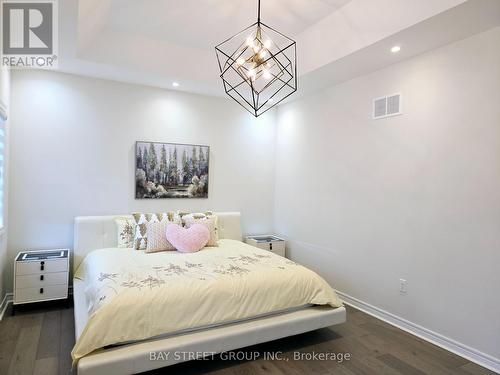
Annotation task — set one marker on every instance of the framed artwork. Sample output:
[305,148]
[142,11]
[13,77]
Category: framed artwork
[171,170]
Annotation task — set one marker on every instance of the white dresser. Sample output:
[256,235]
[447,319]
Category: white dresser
[268,242]
[41,276]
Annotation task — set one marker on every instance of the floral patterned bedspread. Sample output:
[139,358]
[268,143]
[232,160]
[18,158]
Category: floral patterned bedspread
[132,295]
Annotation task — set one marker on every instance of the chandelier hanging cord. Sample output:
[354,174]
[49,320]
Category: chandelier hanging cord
[258,11]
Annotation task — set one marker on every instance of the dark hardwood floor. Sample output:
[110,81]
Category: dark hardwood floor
[39,338]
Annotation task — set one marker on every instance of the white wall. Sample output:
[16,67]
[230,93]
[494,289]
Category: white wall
[416,196]
[363,202]
[4,264]
[73,140]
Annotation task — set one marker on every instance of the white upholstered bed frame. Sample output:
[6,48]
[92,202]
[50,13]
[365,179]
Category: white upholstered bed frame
[95,232]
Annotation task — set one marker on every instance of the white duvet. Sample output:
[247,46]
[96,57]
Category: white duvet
[132,295]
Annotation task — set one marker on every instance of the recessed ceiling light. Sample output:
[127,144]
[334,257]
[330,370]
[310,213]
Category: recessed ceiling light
[395,49]
[175,84]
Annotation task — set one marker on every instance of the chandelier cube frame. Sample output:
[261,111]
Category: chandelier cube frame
[258,67]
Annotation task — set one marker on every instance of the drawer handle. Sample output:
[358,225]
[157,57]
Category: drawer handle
[41,277]
[41,290]
[271,246]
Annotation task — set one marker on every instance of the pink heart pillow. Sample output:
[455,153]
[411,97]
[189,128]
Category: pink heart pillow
[188,240]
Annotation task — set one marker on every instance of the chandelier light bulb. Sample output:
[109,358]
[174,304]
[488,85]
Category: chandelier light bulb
[262,53]
[240,61]
[268,44]
[251,73]
[250,41]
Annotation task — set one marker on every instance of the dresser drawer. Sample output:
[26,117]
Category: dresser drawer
[268,242]
[40,293]
[274,247]
[29,268]
[41,280]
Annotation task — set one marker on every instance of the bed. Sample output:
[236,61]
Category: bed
[119,293]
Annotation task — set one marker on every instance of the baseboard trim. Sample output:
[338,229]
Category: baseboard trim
[473,355]
[8,298]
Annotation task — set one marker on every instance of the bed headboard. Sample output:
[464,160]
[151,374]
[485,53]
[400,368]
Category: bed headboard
[97,232]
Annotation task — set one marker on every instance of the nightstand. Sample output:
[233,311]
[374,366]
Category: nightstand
[41,275]
[268,242]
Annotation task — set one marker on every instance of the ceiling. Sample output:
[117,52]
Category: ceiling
[157,42]
[205,23]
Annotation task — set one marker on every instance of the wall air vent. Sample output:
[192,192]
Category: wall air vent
[387,106]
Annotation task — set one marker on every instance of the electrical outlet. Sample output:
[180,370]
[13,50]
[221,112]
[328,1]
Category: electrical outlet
[403,286]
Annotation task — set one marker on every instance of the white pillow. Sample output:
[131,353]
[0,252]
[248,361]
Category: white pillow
[125,228]
[141,220]
[157,237]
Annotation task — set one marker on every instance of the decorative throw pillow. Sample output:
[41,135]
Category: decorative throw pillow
[197,215]
[188,240]
[125,227]
[141,219]
[156,233]
[210,221]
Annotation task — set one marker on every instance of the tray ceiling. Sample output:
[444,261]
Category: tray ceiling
[157,42]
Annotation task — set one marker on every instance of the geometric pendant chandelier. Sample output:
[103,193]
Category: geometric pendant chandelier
[258,67]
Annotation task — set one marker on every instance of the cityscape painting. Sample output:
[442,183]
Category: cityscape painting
[169,170]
